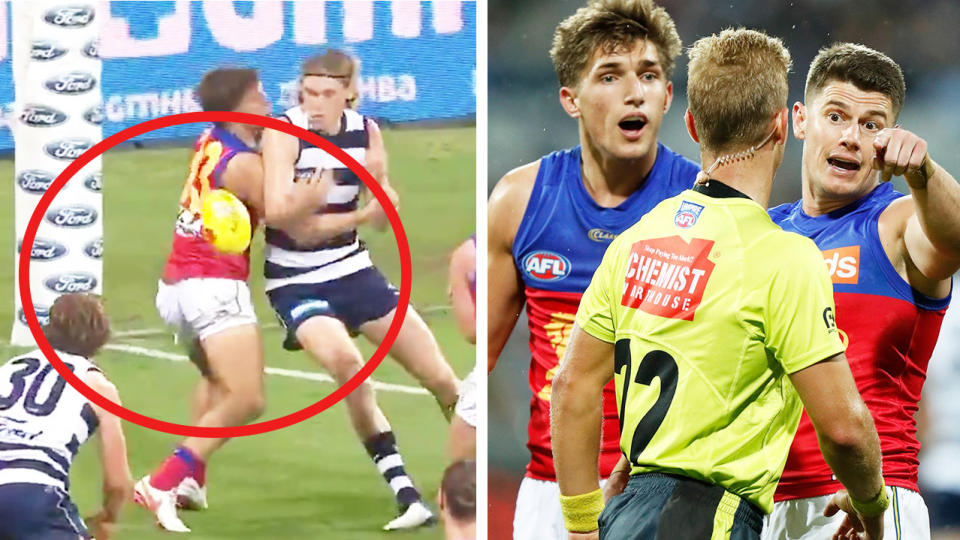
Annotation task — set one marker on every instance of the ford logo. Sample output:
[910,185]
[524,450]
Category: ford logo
[94,249]
[42,116]
[67,149]
[35,181]
[75,82]
[70,16]
[43,315]
[42,51]
[71,282]
[72,216]
[45,250]
[94,115]
[94,182]
[91,49]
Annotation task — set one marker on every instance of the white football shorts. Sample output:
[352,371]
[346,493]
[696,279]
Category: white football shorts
[802,519]
[538,515]
[467,402]
[201,307]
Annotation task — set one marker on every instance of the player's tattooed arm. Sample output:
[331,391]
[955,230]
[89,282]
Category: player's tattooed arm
[285,199]
[575,411]
[117,480]
[922,233]
[505,297]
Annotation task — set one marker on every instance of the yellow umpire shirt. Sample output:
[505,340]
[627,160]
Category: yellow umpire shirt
[710,306]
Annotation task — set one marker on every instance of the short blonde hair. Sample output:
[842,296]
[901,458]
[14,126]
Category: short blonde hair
[737,82]
[611,25]
[338,65]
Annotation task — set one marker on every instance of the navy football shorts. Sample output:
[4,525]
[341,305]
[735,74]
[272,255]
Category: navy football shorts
[354,299]
[657,506]
[37,512]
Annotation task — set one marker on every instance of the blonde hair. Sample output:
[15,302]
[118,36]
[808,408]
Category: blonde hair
[338,65]
[611,25]
[737,82]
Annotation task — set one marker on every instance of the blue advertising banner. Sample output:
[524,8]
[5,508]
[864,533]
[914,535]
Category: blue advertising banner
[418,59]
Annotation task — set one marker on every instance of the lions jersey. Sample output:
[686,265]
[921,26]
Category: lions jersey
[288,263]
[558,245]
[192,255]
[710,306]
[43,420]
[890,330]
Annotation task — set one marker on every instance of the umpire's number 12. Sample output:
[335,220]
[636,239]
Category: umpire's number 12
[654,364]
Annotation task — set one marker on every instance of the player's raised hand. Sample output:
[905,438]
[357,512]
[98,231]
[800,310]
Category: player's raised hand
[392,194]
[375,215]
[899,152]
[854,526]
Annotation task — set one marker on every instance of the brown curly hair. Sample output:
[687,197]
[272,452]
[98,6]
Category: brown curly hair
[611,25]
[78,324]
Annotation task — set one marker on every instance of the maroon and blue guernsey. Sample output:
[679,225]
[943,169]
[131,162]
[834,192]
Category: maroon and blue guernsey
[558,245]
[889,328]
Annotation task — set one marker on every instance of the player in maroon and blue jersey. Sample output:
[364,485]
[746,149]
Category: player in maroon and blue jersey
[551,220]
[891,258]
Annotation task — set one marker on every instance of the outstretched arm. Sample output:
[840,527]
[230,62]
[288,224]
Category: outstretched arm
[928,226]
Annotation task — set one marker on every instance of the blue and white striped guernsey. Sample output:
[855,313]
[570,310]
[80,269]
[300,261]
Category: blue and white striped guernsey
[286,263]
[43,420]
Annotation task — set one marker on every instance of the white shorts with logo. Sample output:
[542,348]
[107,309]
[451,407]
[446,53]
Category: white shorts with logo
[802,519]
[467,402]
[201,307]
[538,515]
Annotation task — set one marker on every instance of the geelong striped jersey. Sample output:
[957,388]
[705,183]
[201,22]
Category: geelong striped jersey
[286,262]
[43,420]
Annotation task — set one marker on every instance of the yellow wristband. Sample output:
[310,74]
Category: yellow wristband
[873,507]
[580,512]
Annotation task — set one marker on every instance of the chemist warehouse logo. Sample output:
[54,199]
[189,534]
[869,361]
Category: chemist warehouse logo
[844,264]
[546,266]
[667,276]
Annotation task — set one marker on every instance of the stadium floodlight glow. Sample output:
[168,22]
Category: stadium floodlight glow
[30,314]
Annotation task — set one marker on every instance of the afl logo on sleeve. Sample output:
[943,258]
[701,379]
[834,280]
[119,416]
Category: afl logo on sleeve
[546,266]
[687,215]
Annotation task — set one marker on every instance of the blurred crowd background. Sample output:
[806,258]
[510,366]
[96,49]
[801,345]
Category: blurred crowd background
[526,122]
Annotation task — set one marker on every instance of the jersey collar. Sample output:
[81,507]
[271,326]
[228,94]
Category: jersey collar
[719,190]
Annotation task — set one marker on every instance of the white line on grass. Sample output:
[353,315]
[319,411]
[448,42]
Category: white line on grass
[161,331]
[293,373]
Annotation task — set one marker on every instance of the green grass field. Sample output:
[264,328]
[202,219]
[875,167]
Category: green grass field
[312,480]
